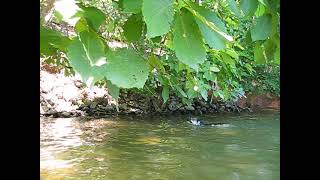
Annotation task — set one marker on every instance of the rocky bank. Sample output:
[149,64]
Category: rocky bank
[62,96]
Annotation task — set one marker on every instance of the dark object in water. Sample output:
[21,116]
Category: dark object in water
[198,122]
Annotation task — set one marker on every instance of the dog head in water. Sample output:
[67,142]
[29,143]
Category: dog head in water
[194,121]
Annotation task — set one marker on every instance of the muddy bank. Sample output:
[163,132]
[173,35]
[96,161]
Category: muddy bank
[62,96]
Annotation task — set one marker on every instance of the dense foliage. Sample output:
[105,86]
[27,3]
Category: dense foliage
[204,49]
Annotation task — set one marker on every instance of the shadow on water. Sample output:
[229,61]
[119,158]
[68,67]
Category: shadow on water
[163,147]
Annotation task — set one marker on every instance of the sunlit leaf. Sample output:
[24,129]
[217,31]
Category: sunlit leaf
[94,16]
[262,29]
[94,47]
[214,39]
[126,69]
[188,46]
[158,16]
[81,64]
[51,40]
[249,7]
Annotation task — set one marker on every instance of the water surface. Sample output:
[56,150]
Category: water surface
[162,148]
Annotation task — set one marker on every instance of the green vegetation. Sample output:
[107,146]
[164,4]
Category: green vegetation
[216,49]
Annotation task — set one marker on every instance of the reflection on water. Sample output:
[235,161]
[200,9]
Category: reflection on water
[161,148]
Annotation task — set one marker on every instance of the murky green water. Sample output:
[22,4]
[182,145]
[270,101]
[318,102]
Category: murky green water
[162,148]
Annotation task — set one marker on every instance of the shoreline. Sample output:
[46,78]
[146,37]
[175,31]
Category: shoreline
[62,96]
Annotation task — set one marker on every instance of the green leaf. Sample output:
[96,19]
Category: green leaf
[209,16]
[214,68]
[110,26]
[277,56]
[126,69]
[94,48]
[262,29]
[156,63]
[209,75]
[188,46]
[81,64]
[227,59]
[249,68]
[169,44]
[249,7]
[214,25]
[165,93]
[113,90]
[232,53]
[269,49]
[191,93]
[51,40]
[156,39]
[131,6]
[133,28]
[82,25]
[214,39]
[234,7]
[181,91]
[158,16]
[271,5]
[58,16]
[263,2]
[248,39]
[94,16]
[258,54]
[260,10]
[275,24]
[204,94]
[219,93]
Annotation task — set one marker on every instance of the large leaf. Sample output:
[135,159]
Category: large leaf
[133,28]
[81,64]
[94,48]
[126,69]
[213,23]
[94,16]
[234,7]
[214,39]
[262,29]
[131,6]
[187,43]
[158,16]
[249,7]
[259,54]
[51,40]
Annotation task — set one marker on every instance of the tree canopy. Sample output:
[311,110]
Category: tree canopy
[180,47]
